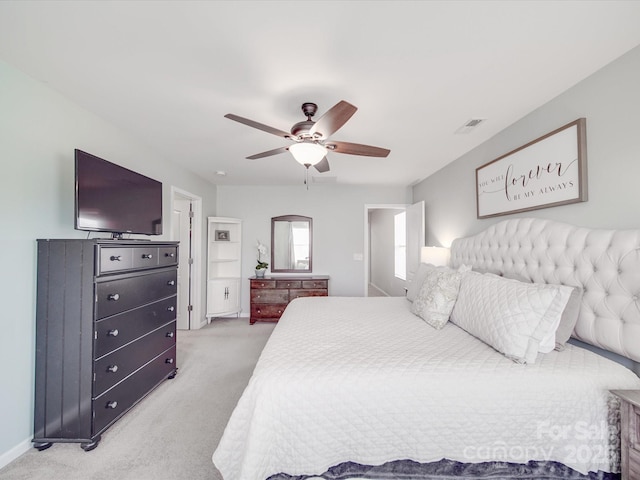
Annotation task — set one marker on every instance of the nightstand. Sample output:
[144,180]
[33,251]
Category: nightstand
[629,432]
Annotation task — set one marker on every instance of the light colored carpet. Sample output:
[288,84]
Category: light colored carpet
[172,433]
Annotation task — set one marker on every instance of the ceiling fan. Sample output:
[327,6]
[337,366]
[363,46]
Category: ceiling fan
[311,139]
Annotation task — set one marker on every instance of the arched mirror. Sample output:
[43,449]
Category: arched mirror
[291,241]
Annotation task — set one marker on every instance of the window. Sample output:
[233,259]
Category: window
[400,245]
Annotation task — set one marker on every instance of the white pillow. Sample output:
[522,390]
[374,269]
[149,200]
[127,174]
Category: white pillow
[569,318]
[437,295]
[416,281]
[511,316]
[567,321]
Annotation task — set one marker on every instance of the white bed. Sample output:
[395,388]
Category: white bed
[346,381]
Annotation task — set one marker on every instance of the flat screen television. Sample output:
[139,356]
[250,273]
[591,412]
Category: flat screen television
[114,199]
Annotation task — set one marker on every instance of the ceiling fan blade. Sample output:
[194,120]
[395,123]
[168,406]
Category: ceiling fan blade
[259,126]
[275,151]
[357,149]
[333,119]
[323,165]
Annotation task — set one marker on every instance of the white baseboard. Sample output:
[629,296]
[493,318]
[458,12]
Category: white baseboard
[7,457]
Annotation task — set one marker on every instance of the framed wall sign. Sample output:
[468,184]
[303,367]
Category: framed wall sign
[549,171]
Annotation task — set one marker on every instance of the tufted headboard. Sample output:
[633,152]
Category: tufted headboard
[605,263]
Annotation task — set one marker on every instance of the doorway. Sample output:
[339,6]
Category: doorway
[380,249]
[186,227]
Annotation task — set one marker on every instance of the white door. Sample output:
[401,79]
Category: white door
[415,237]
[182,232]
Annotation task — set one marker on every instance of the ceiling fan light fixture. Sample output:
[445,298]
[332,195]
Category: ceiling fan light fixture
[307,153]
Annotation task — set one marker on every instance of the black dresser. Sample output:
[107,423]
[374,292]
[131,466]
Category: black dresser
[105,333]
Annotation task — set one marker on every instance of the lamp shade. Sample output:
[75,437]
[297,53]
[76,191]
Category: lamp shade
[307,153]
[438,256]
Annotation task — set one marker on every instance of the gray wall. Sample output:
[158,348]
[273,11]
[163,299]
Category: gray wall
[338,226]
[610,101]
[39,130]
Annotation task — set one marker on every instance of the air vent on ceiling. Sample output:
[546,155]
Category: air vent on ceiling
[469,125]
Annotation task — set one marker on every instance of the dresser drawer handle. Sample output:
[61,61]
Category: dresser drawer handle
[112,404]
[280,311]
[113,296]
[259,311]
[147,255]
[262,284]
[113,333]
[115,258]
[112,368]
[171,255]
[169,361]
[169,335]
[171,283]
[171,308]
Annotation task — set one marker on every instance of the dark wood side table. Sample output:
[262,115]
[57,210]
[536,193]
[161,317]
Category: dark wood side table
[629,432]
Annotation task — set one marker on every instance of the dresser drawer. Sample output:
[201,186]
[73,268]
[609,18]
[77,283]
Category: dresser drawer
[112,368]
[109,406]
[634,427]
[118,330]
[315,284]
[267,311]
[634,463]
[308,292]
[288,284]
[144,257]
[113,259]
[269,296]
[263,284]
[115,296]
[168,256]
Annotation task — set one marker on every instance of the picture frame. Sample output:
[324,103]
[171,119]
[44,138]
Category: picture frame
[222,235]
[546,172]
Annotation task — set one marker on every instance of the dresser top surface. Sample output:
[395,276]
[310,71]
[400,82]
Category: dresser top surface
[630,396]
[114,243]
[292,277]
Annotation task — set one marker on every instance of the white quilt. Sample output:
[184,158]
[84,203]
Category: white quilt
[365,380]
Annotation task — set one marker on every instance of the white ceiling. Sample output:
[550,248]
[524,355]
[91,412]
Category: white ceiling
[167,72]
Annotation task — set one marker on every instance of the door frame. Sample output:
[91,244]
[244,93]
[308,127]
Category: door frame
[196,253]
[366,260]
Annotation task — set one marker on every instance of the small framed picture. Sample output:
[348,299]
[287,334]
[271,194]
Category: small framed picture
[222,235]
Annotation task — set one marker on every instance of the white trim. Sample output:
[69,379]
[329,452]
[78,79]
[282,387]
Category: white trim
[10,455]
[198,321]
